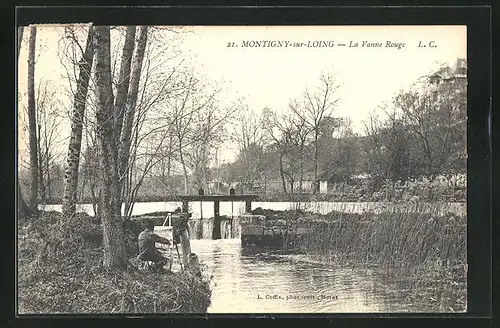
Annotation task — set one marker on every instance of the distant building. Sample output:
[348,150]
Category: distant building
[323,187]
[449,75]
[456,75]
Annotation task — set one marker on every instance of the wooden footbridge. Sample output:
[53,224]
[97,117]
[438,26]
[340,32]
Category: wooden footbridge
[254,230]
[217,199]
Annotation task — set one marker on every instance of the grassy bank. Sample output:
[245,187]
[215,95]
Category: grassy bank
[418,252]
[59,271]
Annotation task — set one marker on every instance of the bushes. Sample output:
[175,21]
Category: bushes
[427,190]
[359,190]
[59,271]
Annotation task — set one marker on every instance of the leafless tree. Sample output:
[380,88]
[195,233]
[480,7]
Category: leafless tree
[249,135]
[77,119]
[130,104]
[279,133]
[33,144]
[123,84]
[317,105]
[107,149]
[438,123]
[48,133]
[23,210]
[300,136]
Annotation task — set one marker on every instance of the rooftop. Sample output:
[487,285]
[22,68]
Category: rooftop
[459,69]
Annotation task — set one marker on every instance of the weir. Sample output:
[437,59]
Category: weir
[216,227]
[255,231]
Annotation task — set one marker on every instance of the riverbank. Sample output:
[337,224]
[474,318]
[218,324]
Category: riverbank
[423,191]
[59,271]
[418,252]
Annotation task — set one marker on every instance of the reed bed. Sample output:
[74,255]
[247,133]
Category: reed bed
[391,239]
[60,271]
[422,252]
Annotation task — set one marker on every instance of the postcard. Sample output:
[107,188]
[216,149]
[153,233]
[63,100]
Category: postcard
[242,169]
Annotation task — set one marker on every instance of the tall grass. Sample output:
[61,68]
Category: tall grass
[422,249]
[391,239]
[424,252]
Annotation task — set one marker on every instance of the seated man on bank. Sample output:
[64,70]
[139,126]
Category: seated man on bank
[147,249]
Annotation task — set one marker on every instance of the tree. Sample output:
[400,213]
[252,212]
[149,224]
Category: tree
[437,118]
[205,138]
[130,103]
[89,174]
[108,155]
[124,77]
[249,136]
[146,91]
[338,160]
[20,32]
[300,138]
[278,131]
[49,119]
[376,160]
[318,105]
[397,140]
[77,116]
[33,144]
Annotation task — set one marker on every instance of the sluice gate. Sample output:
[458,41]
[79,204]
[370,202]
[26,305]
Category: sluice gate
[257,232]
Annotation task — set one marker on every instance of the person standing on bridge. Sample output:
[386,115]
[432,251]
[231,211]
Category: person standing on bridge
[147,249]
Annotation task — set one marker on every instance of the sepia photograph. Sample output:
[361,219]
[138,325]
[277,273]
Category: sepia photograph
[241,169]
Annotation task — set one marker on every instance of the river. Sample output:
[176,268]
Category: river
[292,284]
[206,209]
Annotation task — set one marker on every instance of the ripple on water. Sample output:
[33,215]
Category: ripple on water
[286,284]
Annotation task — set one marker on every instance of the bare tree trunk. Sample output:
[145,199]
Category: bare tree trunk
[22,209]
[32,120]
[184,170]
[124,79]
[114,251]
[301,177]
[47,168]
[75,142]
[315,181]
[95,199]
[169,166]
[282,174]
[41,181]
[129,111]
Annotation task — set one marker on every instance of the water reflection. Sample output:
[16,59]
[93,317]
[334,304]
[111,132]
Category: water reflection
[287,284]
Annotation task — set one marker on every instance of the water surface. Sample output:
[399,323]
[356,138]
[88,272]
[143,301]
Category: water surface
[206,209]
[289,284]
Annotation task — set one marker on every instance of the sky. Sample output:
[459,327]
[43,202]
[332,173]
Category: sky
[272,76]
